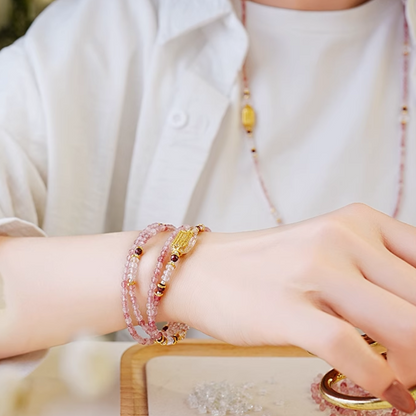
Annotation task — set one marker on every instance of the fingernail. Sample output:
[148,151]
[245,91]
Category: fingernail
[397,395]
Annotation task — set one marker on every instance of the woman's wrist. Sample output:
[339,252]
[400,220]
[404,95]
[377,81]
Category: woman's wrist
[173,305]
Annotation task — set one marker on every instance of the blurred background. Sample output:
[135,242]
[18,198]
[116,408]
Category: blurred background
[16,16]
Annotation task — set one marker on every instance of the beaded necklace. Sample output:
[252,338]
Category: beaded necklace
[248,118]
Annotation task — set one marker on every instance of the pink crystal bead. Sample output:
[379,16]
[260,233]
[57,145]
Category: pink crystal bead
[128,284]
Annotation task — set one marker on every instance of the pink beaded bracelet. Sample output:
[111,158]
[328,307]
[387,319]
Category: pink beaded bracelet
[180,242]
[152,303]
[128,284]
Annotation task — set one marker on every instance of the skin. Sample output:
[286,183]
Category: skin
[2,299]
[307,284]
[312,5]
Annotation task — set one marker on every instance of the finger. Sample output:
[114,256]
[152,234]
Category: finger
[381,267]
[384,316]
[338,343]
[398,237]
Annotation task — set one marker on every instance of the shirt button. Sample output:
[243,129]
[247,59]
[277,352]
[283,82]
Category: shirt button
[178,118]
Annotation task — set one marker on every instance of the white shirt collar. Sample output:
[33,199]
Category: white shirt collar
[177,17]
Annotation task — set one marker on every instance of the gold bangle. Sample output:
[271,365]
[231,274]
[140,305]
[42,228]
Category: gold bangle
[353,402]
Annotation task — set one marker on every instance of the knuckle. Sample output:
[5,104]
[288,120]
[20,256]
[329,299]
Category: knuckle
[331,230]
[358,209]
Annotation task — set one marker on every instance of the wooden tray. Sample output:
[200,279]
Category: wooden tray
[133,390]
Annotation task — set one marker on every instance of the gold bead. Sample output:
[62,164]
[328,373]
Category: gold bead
[173,264]
[131,283]
[201,227]
[160,340]
[248,118]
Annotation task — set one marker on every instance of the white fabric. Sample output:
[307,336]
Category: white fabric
[116,114]
[109,111]
[327,88]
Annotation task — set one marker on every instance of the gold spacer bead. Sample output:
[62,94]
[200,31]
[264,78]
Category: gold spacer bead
[159,294]
[201,227]
[160,340]
[131,283]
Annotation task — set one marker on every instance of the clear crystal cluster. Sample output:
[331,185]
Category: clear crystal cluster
[220,399]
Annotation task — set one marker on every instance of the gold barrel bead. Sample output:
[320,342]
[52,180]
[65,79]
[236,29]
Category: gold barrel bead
[248,118]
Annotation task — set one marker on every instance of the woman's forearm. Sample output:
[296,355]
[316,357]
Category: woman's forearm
[52,289]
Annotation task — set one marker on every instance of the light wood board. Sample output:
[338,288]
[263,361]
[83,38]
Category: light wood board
[133,390]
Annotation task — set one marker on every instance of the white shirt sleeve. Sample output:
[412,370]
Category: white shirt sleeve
[23,161]
[23,153]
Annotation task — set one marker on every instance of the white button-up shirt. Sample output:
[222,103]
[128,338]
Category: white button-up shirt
[108,111]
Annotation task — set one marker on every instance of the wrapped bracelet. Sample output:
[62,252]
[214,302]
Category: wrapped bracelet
[180,242]
[151,305]
[128,284]
[183,242]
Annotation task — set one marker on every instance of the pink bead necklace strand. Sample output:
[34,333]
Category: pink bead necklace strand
[249,119]
[129,280]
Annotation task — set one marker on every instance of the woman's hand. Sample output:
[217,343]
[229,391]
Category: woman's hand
[309,284]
